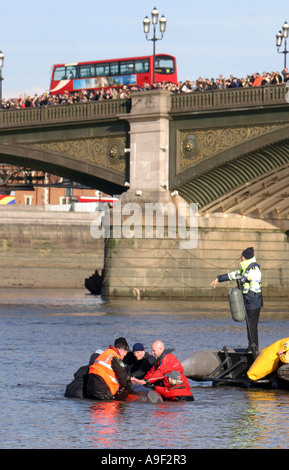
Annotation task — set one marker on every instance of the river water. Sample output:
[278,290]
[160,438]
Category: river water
[47,335]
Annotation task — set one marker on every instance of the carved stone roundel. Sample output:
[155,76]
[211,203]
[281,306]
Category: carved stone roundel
[115,149]
[191,146]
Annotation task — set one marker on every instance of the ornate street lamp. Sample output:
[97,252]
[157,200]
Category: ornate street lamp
[146,26]
[1,78]
[279,38]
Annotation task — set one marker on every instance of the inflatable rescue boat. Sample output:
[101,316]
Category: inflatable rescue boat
[239,367]
[222,367]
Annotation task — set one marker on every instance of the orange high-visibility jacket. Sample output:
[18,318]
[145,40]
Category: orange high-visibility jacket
[102,367]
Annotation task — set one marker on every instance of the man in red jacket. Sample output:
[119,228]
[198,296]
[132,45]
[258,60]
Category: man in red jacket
[166,375]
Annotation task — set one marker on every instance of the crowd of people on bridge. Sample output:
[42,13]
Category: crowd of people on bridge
[124,92]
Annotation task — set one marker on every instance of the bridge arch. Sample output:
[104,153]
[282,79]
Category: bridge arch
[84,142]
[84,172]
[253,183]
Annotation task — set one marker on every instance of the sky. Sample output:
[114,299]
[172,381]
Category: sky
[208,38]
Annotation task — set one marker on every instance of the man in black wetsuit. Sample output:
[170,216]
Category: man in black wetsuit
[138,362]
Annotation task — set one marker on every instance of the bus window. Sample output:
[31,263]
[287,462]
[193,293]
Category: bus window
[114,68]
[126,68]
[59,73]
[164,64]
[86,71]
[141,66]
[101,70]
[71,71]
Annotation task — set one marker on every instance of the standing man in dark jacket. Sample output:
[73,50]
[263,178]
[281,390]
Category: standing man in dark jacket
[250,278]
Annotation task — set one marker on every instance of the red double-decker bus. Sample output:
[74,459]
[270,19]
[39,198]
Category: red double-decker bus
[135,71]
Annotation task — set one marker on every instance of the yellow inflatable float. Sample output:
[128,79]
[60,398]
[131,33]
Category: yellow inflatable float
[267,362]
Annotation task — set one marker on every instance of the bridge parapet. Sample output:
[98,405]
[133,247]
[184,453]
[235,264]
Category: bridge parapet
[45,115]
[229,98]
[179,103]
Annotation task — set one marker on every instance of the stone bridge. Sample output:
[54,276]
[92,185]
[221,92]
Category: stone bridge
[226,151]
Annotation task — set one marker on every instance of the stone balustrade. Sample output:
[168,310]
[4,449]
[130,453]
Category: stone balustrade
[229,98]
[180,103]
[45,115]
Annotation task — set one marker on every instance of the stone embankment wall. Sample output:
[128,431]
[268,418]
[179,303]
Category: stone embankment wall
[145,268]
[42,249]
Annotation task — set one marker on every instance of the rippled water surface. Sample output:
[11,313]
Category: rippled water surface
[47,335]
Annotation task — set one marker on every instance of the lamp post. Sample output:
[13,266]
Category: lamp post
[1,78]
[146,25]
[279,38]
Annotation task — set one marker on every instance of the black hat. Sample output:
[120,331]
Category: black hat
[248,253]
[121,342]
[138,347]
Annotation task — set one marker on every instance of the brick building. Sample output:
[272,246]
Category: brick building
[51,195]
[31,188]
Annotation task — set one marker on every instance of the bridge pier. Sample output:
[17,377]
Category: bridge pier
[145,250]
[149,143]
[143,229]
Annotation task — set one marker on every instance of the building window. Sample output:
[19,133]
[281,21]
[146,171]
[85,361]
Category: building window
[28,200]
